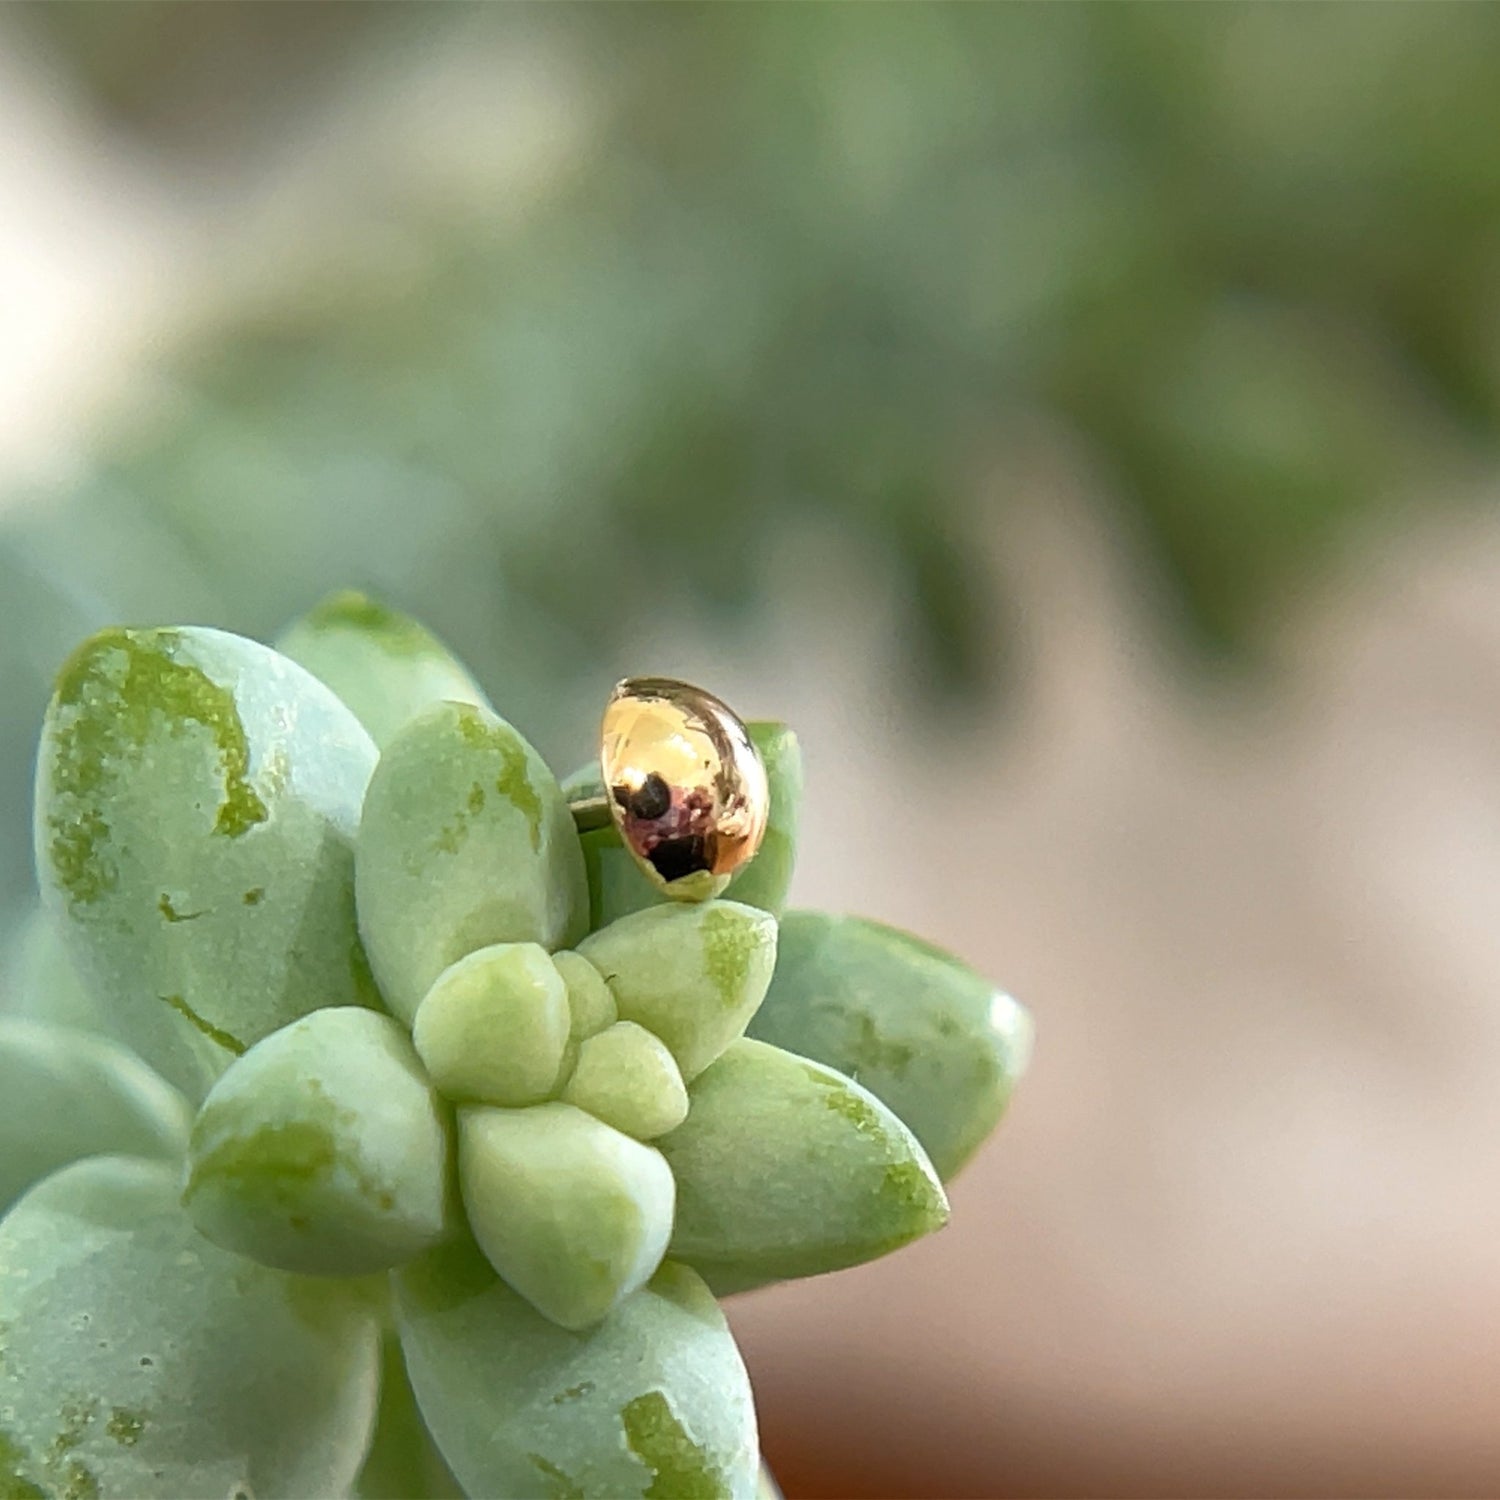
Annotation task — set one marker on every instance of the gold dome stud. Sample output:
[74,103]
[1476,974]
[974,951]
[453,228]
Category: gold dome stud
[684,785]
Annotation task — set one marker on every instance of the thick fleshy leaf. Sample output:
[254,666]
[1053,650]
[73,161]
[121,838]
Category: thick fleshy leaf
[616,885]
[693,974]
[785,1168]
[403,1462]
[66,1094]
[384,665]
[197,799]
[936,1042]
[494,1027]
[654,1402]
[140,1361]
[626,1077]
[591,1003]
[466,841]
[325,1150]
[572,1213]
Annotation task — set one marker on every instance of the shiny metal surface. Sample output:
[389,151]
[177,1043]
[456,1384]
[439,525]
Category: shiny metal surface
[685,785]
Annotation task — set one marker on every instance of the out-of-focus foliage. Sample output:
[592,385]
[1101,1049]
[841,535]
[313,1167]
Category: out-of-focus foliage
[833,263]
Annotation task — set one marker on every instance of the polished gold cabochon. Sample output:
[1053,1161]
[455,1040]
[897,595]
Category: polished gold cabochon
[687,788]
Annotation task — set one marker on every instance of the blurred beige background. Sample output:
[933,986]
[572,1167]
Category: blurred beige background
[1241,1234]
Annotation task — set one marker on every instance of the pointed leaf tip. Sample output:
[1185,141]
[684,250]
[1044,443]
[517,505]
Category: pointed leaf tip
[785,1168]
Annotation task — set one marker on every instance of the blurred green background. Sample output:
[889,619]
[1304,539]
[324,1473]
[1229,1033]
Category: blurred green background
[805,263]
[757,275]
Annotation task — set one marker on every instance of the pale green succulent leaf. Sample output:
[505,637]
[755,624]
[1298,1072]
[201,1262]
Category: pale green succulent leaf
[626,1077]
[653,1403]
[197,800]
[325,1150]
[65,1094]
[466,841]
[693,974]
[574,1214]
[494,1027]
[591,1003]
[617,886]
[936,1042]
[137,1359]
[383,664]
[785,1168]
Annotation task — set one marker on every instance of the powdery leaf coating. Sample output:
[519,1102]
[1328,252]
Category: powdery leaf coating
[494,1027]
[383,664]
[626,1077]
[785,1168]
[324,1150]
[466,841]
[65,1094]
[138,1359]
[617,886]
[654,1402]
[924,1033]
[573,1214]
[197,801]
[692,974]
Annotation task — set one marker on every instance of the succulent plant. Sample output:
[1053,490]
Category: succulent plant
[370,1132]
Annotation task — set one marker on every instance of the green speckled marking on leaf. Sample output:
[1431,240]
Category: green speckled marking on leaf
[215,1034]
[729,945]
[79,1482]
[125,1426]
[13,1484]
[350,609]
[681,1470]
[845,1102]
[171,914]
[560,1484]
[286,1152]
[121,684]
[573,1393]
[254,897]
[513,782]
[869,1052]
[905,1184]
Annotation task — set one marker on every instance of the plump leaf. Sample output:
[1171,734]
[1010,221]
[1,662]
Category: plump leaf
[626,1077]
[197,799]
[654,1402]
[66,1094]
[616,885]
[138,1360]
[494,1027]
[324,1150]
[574,1214]
[692,973]
[384,665]
[591,1003]
[924,1033]
[785,1168]
[466,841]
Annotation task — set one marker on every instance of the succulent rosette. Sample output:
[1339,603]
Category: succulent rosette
[368,1131]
